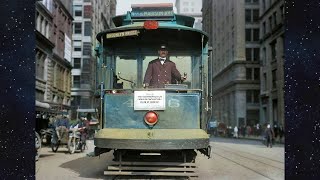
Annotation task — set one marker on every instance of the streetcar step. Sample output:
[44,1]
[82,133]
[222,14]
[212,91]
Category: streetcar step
[152,169]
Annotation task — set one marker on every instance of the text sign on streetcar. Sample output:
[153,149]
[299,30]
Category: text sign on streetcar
[149,100]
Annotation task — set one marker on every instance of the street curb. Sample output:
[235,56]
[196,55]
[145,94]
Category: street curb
[247,138]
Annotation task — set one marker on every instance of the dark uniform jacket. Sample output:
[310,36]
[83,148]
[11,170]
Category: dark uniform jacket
[157,75]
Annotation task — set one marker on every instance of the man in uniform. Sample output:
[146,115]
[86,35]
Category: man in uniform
[161,71]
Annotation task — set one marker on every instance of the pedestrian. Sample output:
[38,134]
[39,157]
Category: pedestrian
[269,135]
[258,129]
[276,131]
[235,132]
[161,71]
[62,126]
[281,133]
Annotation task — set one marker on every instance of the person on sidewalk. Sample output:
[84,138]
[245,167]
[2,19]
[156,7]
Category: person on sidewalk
[270,135]
[235,132]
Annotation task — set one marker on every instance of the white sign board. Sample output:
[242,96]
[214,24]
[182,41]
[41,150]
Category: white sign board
[149,100]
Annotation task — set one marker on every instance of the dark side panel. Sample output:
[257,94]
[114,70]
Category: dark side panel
[182,112]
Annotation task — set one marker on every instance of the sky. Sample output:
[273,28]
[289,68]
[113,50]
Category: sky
[125,5]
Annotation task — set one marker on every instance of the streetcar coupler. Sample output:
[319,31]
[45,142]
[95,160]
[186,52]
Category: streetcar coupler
[206,151]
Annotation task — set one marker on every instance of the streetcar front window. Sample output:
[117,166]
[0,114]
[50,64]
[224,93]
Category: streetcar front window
[130,70]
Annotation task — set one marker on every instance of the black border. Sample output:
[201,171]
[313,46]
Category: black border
[17,99]
[302,90]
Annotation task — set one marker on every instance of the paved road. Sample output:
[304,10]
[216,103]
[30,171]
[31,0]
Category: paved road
[232,159]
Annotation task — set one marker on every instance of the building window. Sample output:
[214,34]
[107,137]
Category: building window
[249,96]
[273,50]
[77,48]
[39,95]
[248,15]
[86,48]
[255,1]
[256,54]
[274,19]
[86,65]
[77,10]
[264,56]
[252,96]
[185,10]
[264,82]
[256,94]
[40,59]
[78,28]
[252,15]
[255,15]
[76,101]
[77,63]
[77,45]
[264,31]
[87,28]
[255,34]
[76,81]
[248,34]
[248,54]
[282,13]
[256,74]
[274,79]
[263,5]
[270,23]
[248,73]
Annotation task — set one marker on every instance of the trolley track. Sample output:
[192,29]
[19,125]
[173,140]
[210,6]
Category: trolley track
[255,163]
[257,158]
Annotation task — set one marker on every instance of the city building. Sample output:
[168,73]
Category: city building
[272,61]
[90,17]
[191,8]
[60,67]
[233,27]
[53,56]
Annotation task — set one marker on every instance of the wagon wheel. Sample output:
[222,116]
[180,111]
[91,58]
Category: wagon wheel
[72,145]
[55,146]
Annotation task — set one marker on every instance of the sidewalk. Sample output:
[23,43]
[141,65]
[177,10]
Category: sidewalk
[250,137]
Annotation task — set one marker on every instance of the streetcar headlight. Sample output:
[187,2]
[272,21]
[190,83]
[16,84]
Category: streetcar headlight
[151,118]
[151,24]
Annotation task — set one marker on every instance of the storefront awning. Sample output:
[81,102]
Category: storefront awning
[42,105]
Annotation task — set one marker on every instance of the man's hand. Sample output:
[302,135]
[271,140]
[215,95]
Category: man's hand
[184,77]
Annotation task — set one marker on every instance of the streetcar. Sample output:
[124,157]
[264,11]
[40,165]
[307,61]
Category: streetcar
[152,131]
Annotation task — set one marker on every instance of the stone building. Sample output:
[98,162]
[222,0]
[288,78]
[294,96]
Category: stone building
[90,17]
[234,70]
[272,57]
[44,47]
[60,67]
[53,68]
[191,8]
